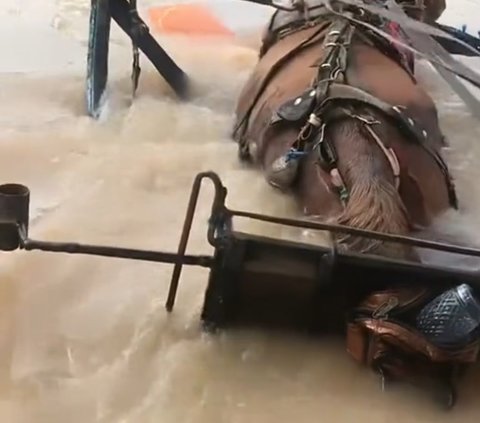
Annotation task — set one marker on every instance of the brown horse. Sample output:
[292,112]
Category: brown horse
[333,113]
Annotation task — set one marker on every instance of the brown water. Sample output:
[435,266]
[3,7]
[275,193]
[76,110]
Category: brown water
[86,339]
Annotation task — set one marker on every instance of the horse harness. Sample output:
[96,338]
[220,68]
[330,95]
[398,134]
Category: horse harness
[331,98]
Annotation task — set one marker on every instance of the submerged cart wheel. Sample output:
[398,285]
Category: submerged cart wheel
[97,59]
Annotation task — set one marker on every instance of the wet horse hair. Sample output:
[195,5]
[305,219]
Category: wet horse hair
[374,202]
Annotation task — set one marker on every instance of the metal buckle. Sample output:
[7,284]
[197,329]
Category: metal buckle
[382,311]
[326,153]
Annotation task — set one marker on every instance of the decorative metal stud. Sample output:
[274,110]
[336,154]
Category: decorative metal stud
[398,108]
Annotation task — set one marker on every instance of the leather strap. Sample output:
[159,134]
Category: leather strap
[424,42]
[241,127]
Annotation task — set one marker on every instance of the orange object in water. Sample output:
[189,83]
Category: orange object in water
[191,19]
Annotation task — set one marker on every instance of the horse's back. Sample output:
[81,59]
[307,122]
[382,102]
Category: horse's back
[378,74]
[367,69]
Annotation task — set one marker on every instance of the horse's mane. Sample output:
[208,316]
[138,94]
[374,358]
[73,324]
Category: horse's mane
[374,202]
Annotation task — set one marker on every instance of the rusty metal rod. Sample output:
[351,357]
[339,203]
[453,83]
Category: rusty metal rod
[117,252]
[400,239]
[217,205]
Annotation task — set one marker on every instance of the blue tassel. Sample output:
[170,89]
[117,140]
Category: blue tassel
[294,154]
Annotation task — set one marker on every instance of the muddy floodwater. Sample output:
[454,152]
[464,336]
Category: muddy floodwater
[85,339]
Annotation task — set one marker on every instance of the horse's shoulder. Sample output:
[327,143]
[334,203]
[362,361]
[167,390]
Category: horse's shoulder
[275,79]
